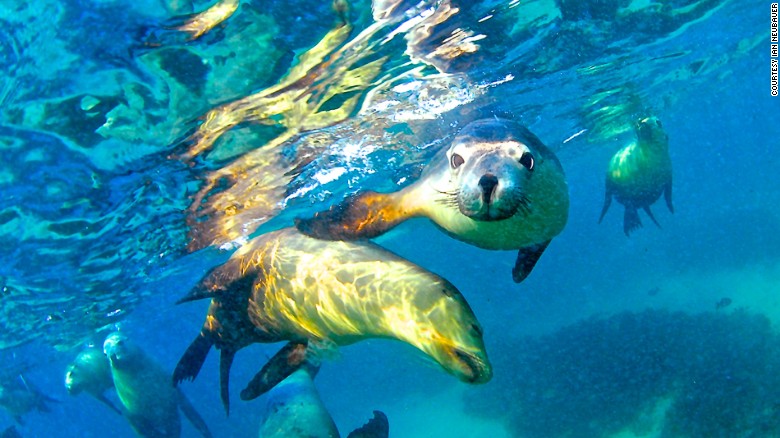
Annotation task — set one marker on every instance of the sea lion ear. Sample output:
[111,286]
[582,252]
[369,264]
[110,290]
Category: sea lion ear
[362,216]
[526,260]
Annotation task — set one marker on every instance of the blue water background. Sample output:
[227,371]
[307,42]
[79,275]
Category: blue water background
[723,129]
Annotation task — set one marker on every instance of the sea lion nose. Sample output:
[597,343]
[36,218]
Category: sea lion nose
[487,183]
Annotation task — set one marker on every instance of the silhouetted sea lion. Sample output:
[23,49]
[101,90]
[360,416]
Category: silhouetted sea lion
[286,286]
[496,187]
[149,401]
[639,173]
[294,410]
[91,372]
[18,397]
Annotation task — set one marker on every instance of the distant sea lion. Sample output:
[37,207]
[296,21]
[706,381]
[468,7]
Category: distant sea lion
[294,409]
[639,173]
[91,372]
[300,289]
[149,401]
[19,397]
[496,187]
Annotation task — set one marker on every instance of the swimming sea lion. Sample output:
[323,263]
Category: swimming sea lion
[300,289]
[639,173]
[149,401]
[91,372]
[294,409]
[18,397]
[496,187]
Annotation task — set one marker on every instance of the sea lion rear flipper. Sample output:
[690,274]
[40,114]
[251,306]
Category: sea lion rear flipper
[291,357]
[189,411]
[362,216]
[102,398]
[225,362]
[650,214]
[668,196]
[526,260]
[607,202]
[631,220]
[192,360]
[377,427]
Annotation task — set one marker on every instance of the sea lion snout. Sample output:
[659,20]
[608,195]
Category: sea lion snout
[473,368]
[487,183]
[491,190]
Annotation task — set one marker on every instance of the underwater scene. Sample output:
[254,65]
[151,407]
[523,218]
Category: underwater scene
[406,218]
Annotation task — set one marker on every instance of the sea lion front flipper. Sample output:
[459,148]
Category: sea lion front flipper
[192,360]
[526,260]
[189,411]
[607,201]
[377,427]
[668,196]
[225,362]
[102,398]
[362,216]
[631,220]
[650,214]
[291,357]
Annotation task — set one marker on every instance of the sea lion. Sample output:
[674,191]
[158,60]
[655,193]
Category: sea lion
[496,187]
[291,287]
[91,372]
[639,173]
[294,409]
[149,401]
[19,397]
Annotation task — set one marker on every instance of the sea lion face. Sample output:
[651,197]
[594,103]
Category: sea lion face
[89,371]
[490,168]
[119,350]
[447,330]
[649,131]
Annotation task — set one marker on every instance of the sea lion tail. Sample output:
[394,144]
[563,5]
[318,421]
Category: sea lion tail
[650,214]
[225,362]
[377,427]
[668,196]
[285,362]
[607,202]
[631,220]
[193,358]
[362,216]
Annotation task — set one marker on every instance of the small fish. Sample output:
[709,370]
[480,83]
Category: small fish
[722,303]
[654,291]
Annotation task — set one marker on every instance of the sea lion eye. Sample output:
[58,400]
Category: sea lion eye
[527,160]
[456,161]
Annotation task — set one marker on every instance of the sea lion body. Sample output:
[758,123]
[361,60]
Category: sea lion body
[639,173]
[294,409]
[148,399]
[496,187]
[19,397]
[300,289]
[90,372]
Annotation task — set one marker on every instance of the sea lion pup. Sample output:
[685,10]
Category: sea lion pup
[149,401]
[19,397]
[639,173]
[295,288]
[91,372]
[294,409]
[496,187]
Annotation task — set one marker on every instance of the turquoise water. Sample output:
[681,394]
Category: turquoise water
[93,208]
